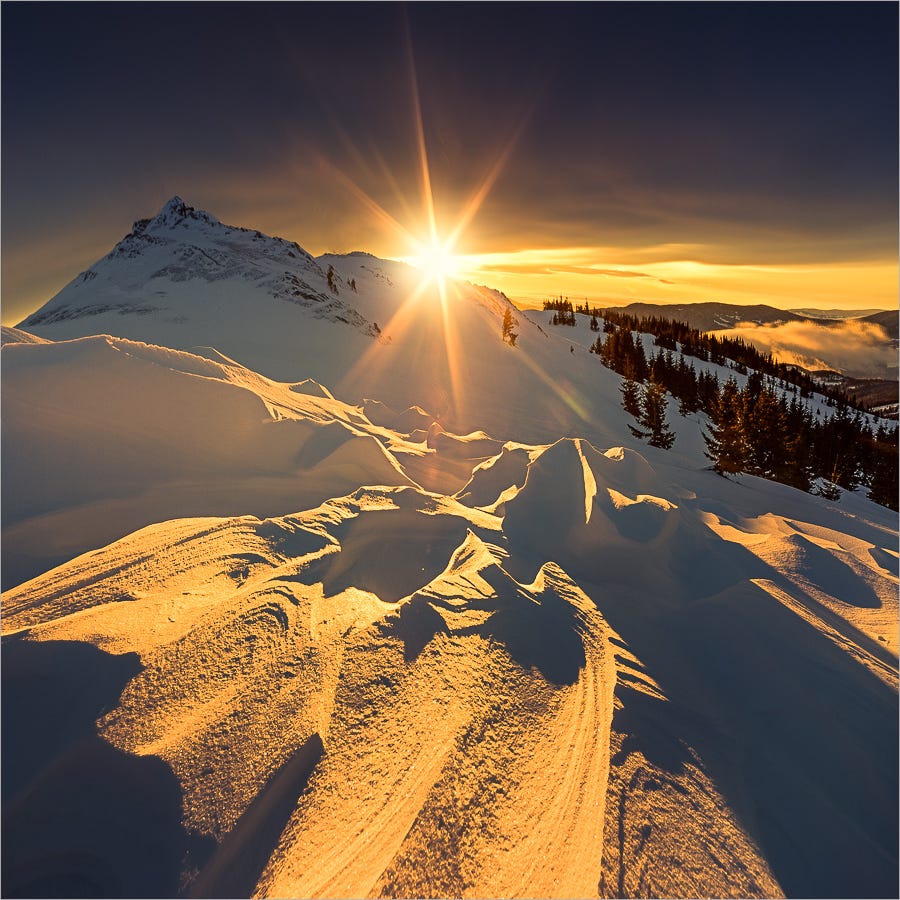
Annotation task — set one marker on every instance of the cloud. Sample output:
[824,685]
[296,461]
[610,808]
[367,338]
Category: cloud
[853,347]
[544,269]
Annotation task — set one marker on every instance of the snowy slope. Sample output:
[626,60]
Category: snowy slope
[104,435]
[183,252]
[18,336]
[407,611]
[184,280]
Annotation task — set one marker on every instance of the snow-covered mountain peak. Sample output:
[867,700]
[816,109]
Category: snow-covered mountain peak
[176,212]
[184,278]
[184,267]
[178,226]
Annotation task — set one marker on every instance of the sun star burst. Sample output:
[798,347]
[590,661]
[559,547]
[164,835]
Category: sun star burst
[436,261]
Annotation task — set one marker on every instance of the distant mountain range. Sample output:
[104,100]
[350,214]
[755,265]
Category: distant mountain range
[813,313]
[888,320]
[721,316]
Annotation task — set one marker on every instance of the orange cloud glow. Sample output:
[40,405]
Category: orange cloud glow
[616,275]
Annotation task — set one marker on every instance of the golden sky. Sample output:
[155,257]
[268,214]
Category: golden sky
[614,276]
[743,153]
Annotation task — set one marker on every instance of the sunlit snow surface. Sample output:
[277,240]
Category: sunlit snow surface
[419,618]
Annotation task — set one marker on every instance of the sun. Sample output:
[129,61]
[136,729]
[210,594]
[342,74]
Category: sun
[436,260]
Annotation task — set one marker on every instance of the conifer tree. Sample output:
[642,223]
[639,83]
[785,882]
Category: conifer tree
[507,331]
[837,450]
[883,488]
[631,397]
[797,470]
[725,444]
[639,362]
[766,436]
[653,418]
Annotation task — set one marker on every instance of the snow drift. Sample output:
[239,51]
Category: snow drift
[103,436]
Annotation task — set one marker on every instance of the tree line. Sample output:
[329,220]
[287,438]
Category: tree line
[563,313]
[754,429]
[709,347]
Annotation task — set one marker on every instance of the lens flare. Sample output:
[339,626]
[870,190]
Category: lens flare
[431,250]
[436,261]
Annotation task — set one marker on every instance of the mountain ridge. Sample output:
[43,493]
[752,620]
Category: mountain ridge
[144,272]
[716,316]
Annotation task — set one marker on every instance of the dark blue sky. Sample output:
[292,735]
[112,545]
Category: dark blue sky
[757,134]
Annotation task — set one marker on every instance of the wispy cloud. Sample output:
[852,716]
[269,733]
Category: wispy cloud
[543,269]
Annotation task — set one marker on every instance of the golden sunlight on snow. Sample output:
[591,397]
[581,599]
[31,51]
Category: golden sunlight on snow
[384,605]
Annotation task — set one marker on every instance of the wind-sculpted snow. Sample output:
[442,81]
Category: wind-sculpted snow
[475,445]
[461,638]
[397,694]
[498,477]
[412,419]
[18,336]
[102,436]
[582,507]
[464,681]
[313,388]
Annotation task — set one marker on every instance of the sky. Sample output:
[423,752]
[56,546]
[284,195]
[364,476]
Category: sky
[745,153]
